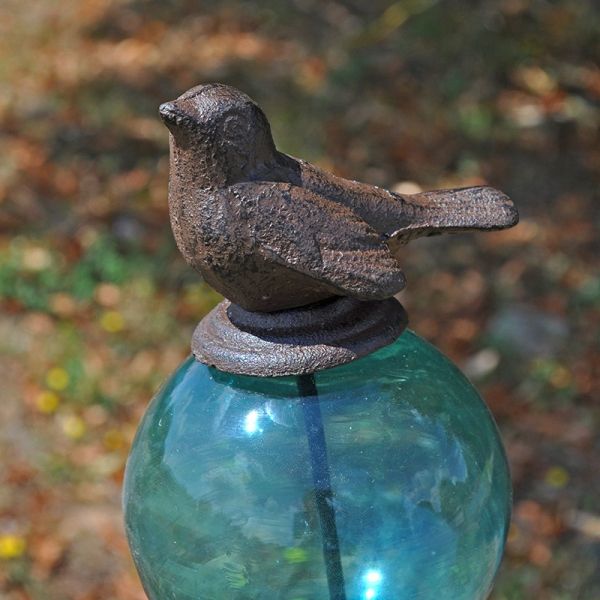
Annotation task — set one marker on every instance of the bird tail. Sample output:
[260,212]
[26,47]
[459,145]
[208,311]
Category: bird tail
[447,211]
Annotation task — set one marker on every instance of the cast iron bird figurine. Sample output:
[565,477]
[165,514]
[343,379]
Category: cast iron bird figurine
[272,232]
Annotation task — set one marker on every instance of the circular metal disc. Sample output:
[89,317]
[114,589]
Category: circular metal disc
[296,341]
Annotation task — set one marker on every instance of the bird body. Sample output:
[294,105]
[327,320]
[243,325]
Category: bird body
[271,232]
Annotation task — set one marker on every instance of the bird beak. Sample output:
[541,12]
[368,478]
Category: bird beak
[170,114]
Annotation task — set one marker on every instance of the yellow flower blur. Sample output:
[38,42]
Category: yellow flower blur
[74,427]
[47,401]
[112,321]
[557,477]
[57,379]
[11,546]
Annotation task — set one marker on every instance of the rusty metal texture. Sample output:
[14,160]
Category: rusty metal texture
[272,232]
[296,341]
[308,260]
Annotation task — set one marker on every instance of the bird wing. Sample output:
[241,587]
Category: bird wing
[325,240]
[402,217]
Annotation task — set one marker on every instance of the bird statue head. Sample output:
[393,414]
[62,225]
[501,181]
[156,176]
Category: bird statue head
[221,130]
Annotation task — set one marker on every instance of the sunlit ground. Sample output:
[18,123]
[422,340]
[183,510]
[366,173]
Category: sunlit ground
[97,306]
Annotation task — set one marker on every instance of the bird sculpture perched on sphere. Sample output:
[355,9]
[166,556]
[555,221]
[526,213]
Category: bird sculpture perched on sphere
[271,232]
[265,444]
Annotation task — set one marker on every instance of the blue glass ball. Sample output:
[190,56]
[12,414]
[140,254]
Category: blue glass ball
[230,477]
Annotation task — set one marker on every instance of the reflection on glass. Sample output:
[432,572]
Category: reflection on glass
[251,422]
[372,580]
[373,577]
[220,501]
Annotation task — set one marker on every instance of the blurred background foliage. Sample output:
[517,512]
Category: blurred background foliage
[97,306]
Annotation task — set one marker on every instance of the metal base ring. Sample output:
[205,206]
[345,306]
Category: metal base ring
[296,341]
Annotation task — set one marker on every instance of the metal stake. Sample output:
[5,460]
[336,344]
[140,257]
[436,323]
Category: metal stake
[322,484]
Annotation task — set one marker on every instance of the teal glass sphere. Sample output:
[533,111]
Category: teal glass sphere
[381,479]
